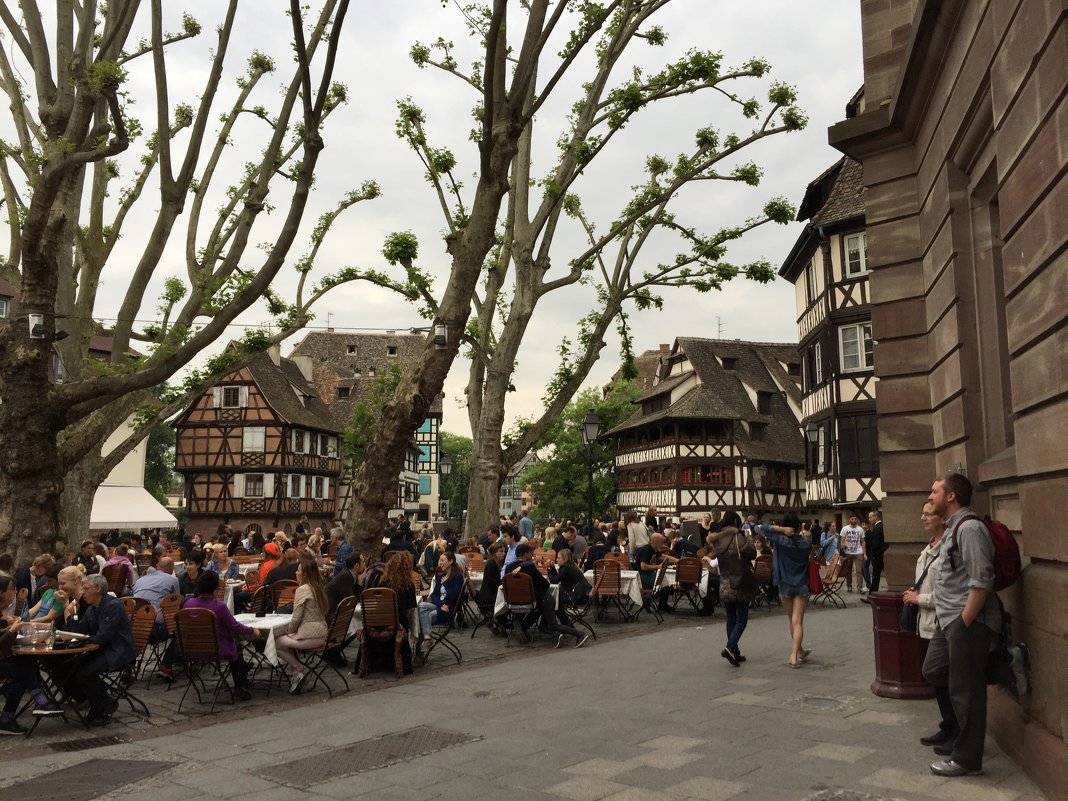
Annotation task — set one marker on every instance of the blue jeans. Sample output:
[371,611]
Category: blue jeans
[428,613]
[737,620]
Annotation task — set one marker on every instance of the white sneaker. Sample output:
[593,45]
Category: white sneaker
[296,683]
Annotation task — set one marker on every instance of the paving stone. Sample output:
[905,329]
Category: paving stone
[585,788]
[672,743]
[706,789]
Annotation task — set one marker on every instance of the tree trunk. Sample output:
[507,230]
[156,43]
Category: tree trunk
[76,506]
[487,470]
[31,479]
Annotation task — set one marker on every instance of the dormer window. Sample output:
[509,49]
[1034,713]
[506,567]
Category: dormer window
[342,393]
[757,431]
[352,350]
[728,362]
[391,350]
[763,402]
[371,372]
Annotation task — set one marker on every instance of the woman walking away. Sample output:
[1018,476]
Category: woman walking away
[921,594]
[307,628]
[790,575]
[735,553]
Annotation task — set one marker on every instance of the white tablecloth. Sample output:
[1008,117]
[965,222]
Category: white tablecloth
[629,583]
[272,624]
[228,593]
[499,606]
[702,587]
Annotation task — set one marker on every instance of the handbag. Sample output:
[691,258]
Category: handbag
[910,613]
[747,583]
[910,618]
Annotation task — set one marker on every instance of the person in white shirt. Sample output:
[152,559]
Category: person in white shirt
[852,548]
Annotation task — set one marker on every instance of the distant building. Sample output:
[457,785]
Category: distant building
[343,367]
[645,365]
[718,429]
[514,496]
[828,266]
[258,450]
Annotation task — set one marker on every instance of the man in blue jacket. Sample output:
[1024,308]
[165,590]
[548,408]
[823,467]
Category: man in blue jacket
[108,626]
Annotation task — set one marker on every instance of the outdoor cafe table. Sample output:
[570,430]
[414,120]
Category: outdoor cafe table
[474,577]
[273,625]
[628,582]
[52,674]
[230,587]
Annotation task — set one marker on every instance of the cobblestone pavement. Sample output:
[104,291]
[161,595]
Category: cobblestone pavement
[646,713]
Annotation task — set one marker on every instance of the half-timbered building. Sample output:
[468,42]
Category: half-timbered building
[828,266]
[258,450]
[719,429]
[343,367]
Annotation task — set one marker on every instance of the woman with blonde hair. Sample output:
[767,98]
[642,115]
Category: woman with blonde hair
[307,628]
[921,595]
[64,585]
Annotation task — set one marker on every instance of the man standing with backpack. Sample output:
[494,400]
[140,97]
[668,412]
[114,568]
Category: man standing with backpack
[968,616]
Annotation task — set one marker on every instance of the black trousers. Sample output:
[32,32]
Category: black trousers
[876,574]
[956,659]
[86,682]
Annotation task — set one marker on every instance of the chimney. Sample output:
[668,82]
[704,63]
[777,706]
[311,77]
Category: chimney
[304,364]
[275,352]
[664,348]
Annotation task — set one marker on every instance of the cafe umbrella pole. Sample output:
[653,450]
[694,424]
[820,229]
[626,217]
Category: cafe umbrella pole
[591,427]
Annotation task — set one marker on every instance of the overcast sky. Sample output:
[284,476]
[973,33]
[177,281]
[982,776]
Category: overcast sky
[811,44]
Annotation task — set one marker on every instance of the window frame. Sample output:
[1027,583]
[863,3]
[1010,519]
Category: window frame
[865,347]
[5,308]
[862,250]
[236,390]
[249,482]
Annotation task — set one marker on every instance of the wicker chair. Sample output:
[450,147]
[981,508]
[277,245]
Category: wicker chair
[198,634]
[315,661]
[519,601]
[687,585]
[608,588]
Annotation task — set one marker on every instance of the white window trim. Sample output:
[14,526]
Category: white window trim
[293,441]
[863,270]
[861,350]
[219,393]
[817,357]
[268,485]
[244,483]
[239,485]
[821,460]
[5,308]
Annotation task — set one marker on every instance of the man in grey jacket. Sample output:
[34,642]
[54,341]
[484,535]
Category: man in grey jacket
[968,616]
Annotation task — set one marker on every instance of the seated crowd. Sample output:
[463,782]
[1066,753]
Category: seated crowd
[429,572]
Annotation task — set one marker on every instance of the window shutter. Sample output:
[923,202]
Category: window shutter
[216,397]
[268,485]
[239,485]
[244,396]
[326,487]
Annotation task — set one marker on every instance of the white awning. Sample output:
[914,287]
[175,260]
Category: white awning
[128,507]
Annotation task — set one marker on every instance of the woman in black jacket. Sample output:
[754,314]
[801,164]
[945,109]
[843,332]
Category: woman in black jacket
[573,584]
[735,552]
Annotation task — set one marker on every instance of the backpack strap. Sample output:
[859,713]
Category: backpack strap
[953,537]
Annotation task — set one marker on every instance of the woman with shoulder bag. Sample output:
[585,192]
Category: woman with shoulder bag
[920,597]
[737,587]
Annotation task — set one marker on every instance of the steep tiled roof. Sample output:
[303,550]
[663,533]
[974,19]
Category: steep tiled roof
[333,366]
[646,364]
[721,394]
[846,199]
[291,397]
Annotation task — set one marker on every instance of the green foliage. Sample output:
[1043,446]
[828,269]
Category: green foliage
[105,77]
[456,486]
[365,416]
[559,481]
[401,246]
[159,462]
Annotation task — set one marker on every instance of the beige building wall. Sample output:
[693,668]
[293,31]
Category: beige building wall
[964,145]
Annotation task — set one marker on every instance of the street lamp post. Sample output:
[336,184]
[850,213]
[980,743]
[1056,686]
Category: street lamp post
[591,427]
[445,468]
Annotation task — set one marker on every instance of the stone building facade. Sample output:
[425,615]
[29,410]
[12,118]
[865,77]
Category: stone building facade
[964,144]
